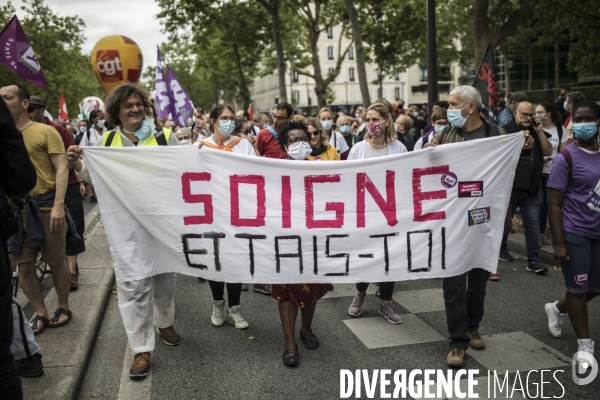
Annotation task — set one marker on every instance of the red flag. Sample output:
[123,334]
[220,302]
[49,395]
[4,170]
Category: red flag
[63,115]
[250,112]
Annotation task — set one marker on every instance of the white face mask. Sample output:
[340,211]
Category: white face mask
[184,142]
[100,123]
[82,129]
[299,150]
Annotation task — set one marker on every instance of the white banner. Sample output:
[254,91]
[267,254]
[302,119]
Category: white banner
[227,217]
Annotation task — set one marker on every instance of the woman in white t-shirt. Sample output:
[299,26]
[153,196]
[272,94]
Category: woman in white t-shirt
[379,141]
[551,124]
[333,137]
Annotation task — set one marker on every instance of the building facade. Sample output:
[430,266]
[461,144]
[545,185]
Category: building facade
[409,86]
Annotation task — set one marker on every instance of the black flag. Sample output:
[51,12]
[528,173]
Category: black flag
[485,82]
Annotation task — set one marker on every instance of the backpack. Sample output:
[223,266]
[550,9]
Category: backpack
[569,159]
[490,130]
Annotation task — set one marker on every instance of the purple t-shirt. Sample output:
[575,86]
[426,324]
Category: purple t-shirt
[581,207]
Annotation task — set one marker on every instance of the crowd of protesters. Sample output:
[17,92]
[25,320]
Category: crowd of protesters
[557,180]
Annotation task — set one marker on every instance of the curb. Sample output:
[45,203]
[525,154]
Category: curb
[520,248]
[67,351]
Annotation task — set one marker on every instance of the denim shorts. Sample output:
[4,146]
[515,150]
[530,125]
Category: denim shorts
[582,271]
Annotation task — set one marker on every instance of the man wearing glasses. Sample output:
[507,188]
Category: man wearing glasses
[528,196]
[266,142]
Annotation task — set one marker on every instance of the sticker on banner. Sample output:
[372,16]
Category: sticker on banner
[470,189]
[581,278]
[479,216]
[449,180]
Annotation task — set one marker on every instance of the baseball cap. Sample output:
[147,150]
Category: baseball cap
[519,97]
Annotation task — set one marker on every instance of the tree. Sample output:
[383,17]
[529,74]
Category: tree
[360,52]
[56,41]
[494,21]
[227,36]
[273,7]
[319,16]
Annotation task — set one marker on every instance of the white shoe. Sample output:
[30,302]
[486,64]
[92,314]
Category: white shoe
[234,317]
[585,346]
[555,319]
[217,317]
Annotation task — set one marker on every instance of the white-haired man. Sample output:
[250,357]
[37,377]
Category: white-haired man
[464,305]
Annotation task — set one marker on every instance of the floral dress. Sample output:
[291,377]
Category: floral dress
[301,294]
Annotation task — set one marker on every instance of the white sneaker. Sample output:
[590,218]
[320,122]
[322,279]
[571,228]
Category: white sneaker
[234,317]
[555,319]
[585,346]
[218,313]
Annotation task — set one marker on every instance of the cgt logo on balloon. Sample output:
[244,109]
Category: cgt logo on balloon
[109,65]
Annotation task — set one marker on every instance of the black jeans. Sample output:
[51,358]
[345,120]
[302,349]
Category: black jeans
[234,292]
[464,305]
[386,289]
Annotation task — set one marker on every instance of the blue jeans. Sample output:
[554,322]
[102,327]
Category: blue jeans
[544,205]
[530,212]
[18,345]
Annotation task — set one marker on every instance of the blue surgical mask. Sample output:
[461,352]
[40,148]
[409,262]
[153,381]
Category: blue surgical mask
[226,127]
[585,130]
[327,124]
[438,128]
[145,129]
[565,105]
[455,117]
[345,129]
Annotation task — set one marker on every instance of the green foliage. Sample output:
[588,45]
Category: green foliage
[215,46]
[56,41]
[590,92]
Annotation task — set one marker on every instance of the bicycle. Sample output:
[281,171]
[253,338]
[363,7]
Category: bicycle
[41,270]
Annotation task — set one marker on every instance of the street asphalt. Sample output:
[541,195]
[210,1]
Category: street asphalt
[226,363]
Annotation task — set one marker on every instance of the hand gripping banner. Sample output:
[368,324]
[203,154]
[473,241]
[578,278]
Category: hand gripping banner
[433,213]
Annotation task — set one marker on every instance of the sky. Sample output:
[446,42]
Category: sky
[135,19]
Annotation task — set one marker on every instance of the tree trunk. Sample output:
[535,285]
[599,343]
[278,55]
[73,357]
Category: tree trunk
[243,85]
[557,60]
[320,88]
[507,74]
[360,53]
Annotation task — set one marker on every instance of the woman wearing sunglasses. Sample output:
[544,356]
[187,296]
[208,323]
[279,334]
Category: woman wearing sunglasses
[321,149]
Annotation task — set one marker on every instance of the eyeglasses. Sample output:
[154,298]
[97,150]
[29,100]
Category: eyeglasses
[525,115]
[296,140]
[316,133]
[225,118]
[441,124]
[280,118]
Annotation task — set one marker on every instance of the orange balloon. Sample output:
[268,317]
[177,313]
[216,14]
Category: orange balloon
[116,60]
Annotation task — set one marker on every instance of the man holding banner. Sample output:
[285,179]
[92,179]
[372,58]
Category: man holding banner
[465,312]
[149,302]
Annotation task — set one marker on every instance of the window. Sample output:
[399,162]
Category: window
[445,74]
[397,76]
[423,74]
[295,77]
[329,33]
[351,74]
[297,96]
[397,93]
[330,52]
[351,53]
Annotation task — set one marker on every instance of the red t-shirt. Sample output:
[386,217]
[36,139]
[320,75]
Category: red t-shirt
[268,146]
[67,141]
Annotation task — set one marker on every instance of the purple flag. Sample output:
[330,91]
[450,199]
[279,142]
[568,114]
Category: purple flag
[161,92]
[18,55]
[180,102]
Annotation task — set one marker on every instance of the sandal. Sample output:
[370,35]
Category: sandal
[294,359]
[56,317]
[310,341]
[34,324]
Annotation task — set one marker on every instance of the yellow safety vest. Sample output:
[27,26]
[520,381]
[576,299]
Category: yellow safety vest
[117,141]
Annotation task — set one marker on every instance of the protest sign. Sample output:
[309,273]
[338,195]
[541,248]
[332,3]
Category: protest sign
[227,217]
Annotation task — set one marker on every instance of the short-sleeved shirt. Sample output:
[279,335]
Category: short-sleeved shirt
[555,141]
[268,146]
[242,147]
[581,207]
[41,141]
[95,137]
[68,141]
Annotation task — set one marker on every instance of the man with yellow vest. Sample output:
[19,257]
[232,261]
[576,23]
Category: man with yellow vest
[147,302]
